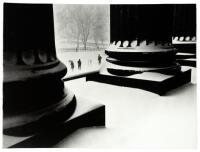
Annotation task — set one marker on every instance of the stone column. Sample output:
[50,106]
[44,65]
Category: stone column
[141,54]
[34,96]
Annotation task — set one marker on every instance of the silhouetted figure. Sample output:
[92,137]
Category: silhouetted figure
[79,63]
[71,64]
[99,58]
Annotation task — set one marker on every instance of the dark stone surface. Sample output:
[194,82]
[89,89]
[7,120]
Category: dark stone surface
[48,122]
[192,63]
[32,84]
[50,136]
[142,56]
[160,88]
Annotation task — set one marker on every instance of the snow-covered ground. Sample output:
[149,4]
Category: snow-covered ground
[136,118]
[89,61]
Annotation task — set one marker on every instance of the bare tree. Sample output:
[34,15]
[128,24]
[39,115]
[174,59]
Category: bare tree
[86,21]
[80,18]
[83,22]
[75,24]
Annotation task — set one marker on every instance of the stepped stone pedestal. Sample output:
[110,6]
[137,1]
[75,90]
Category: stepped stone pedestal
[186,47]
[146,65]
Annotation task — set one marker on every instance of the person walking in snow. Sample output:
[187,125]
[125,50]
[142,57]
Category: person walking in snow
[99,58]
[71,64]
[79,64]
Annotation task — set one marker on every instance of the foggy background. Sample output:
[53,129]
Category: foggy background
[82,32]
[82,27]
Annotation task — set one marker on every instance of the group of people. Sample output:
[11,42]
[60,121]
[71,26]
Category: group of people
[79,62]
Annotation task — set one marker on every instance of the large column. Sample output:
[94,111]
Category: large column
[34,96]
[141,54]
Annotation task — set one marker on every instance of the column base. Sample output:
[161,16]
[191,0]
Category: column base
[86,114]
[150,81]
[37,121]
[187,62]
